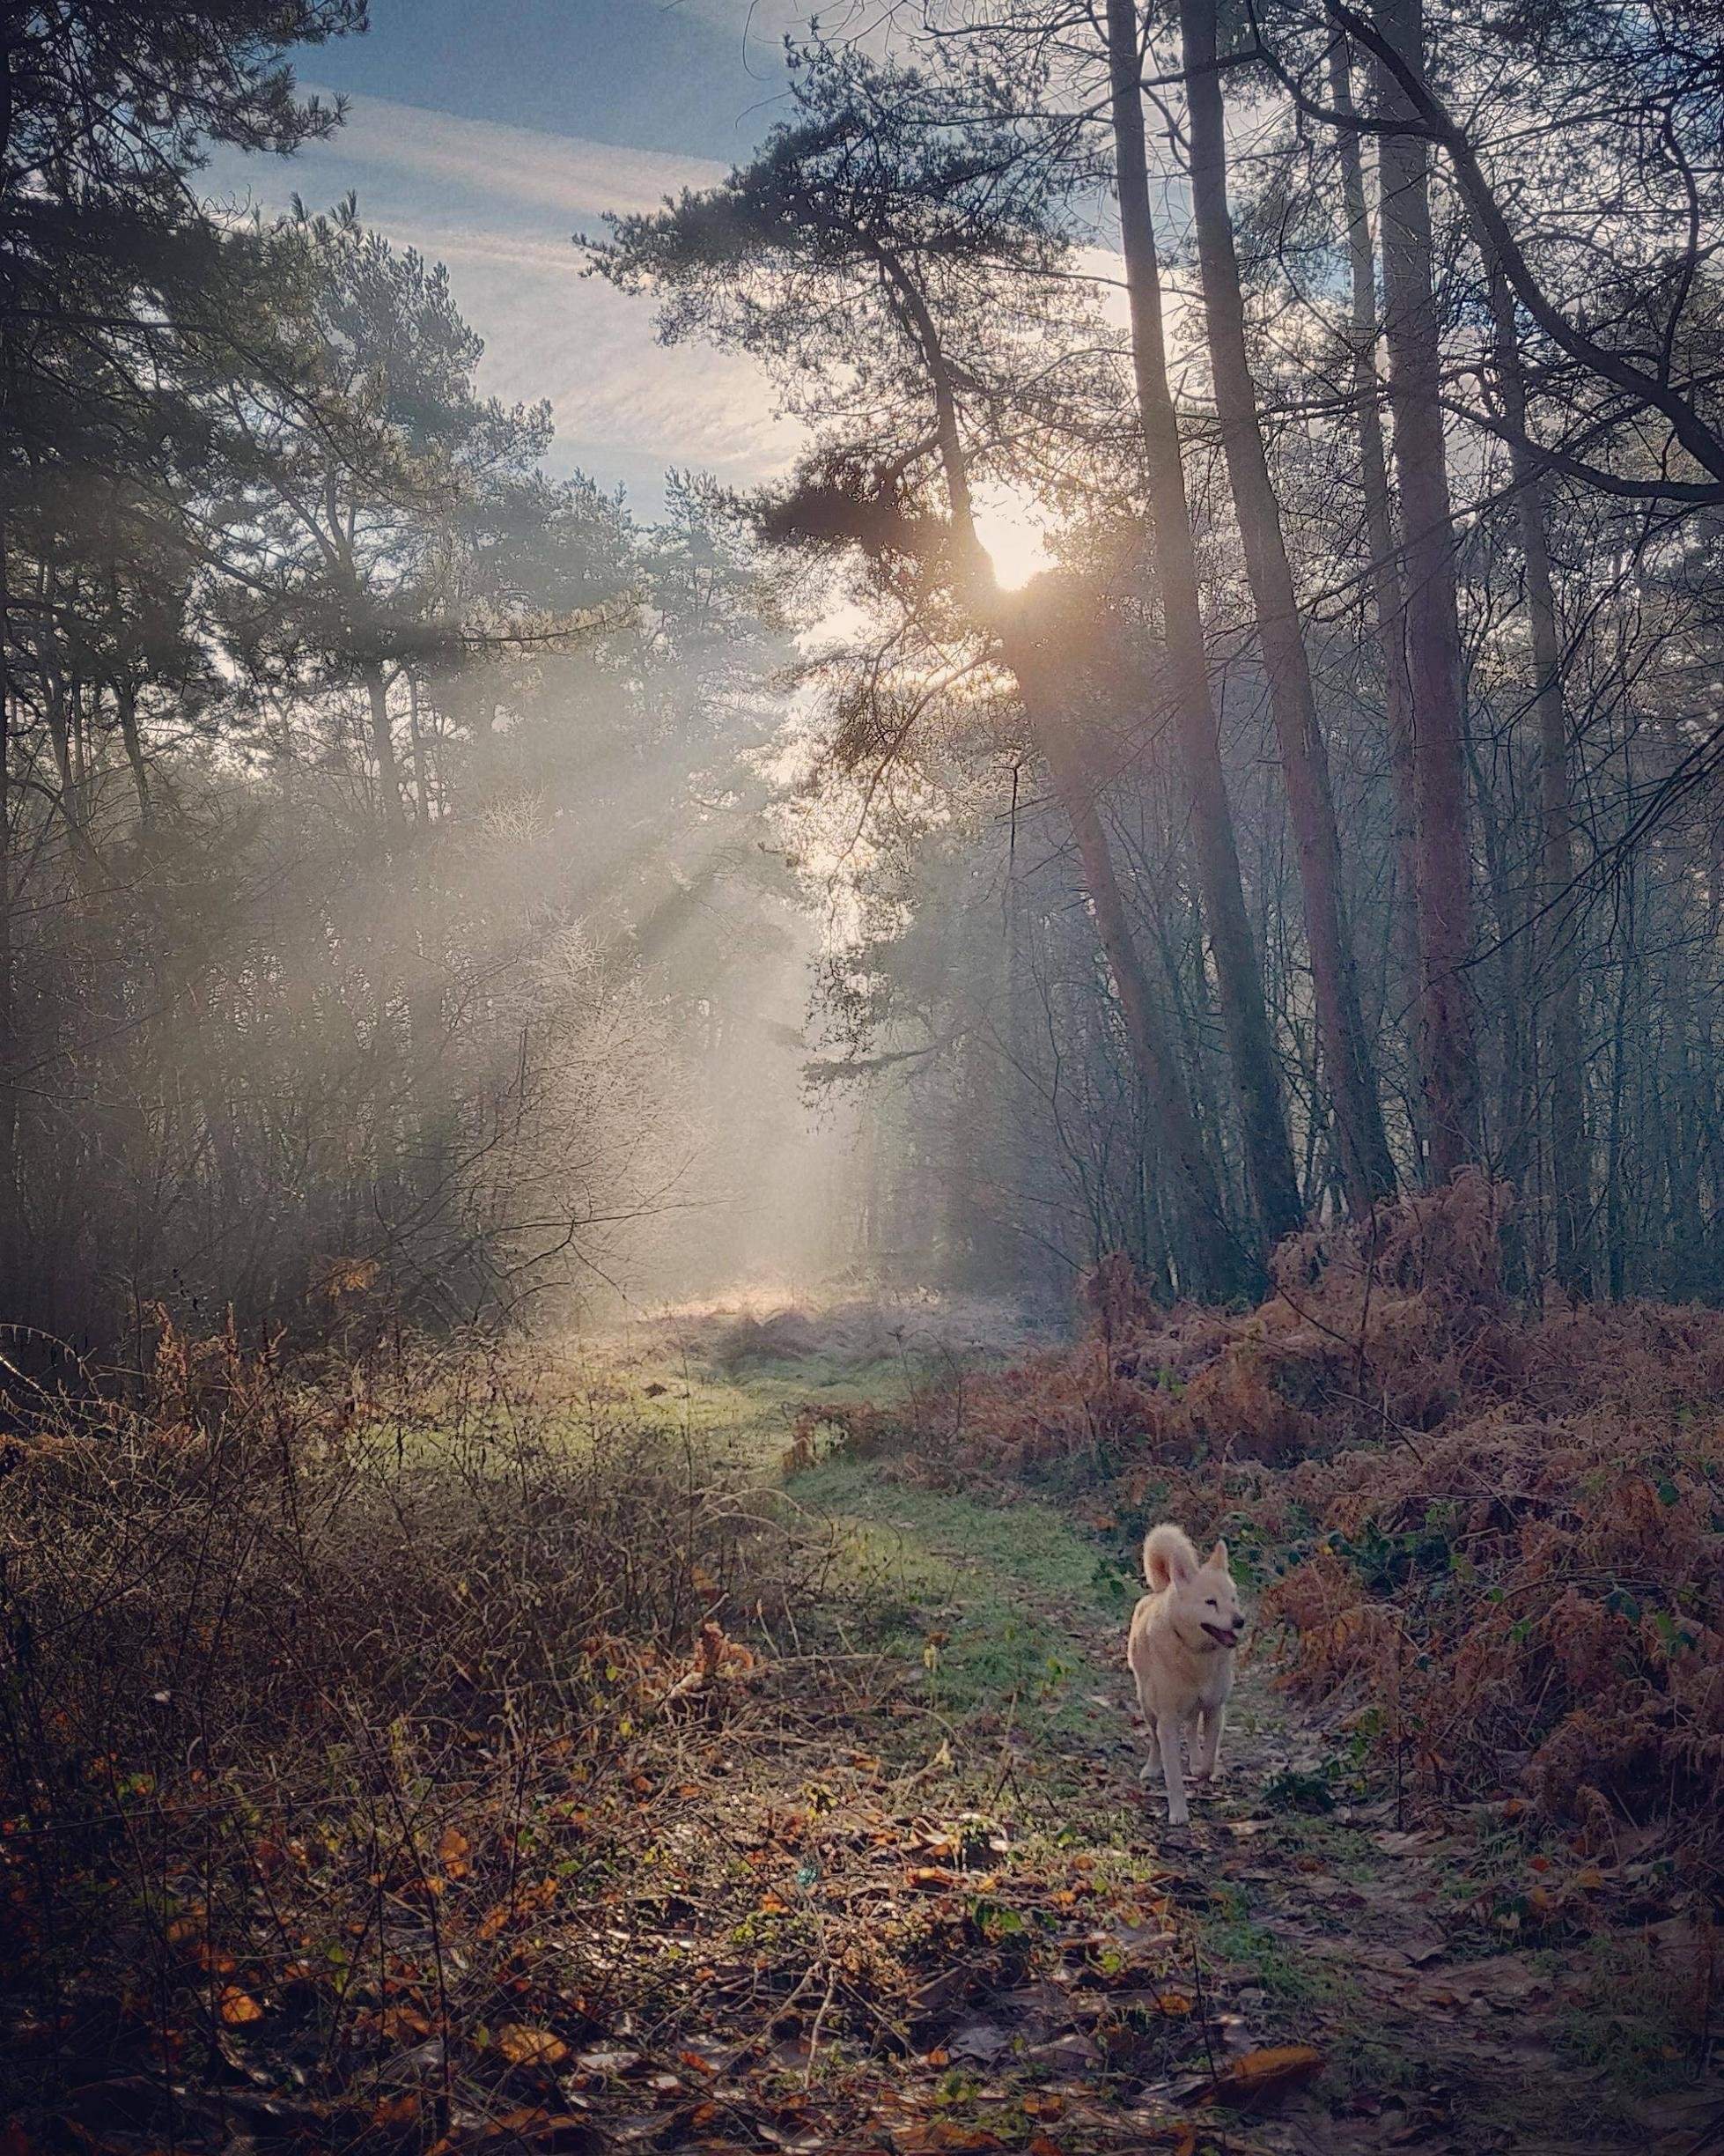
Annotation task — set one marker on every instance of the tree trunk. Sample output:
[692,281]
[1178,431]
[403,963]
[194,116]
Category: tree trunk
[1214,1262]
[125,697]
[383,750]
[11,1193]
[1252,1052]
[421,766]
[1443,888]
[1557,978]
[1386,598]
[1367,1172]
[1215,1272]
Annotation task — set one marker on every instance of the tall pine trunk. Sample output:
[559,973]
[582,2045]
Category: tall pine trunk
[1443,890]
[1387,600]
[1250,1048]
[1368,1170]
[1556,977]
[11,1191]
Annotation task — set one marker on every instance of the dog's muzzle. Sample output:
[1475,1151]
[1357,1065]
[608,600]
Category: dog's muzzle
[1223,1637]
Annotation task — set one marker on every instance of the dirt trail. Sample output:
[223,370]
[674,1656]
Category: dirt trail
[1368,1949]
[1384,1942]
[1002,1947]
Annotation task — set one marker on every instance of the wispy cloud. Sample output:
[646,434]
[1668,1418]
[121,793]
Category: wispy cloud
[499,205]
[572,175]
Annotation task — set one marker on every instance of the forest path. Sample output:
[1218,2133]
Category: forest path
[1302,1969]
[936,1909]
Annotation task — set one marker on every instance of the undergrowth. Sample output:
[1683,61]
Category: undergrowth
[1495,1535]
[321,1703]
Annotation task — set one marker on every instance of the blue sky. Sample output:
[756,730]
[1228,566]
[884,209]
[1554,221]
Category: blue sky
[486,135]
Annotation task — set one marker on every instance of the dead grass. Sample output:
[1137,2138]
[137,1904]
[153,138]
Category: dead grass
[312,1693]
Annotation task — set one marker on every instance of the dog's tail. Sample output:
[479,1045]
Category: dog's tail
[1168,1555]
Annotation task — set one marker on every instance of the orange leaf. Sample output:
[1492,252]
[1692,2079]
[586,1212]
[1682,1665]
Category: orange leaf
[237,2007]
[524,2046]
[1258,2072]
[454,1849]
[395,2110]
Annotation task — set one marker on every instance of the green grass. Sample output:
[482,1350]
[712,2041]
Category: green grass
[744,1418]
[994,1580]
[1629,2020]
[1246,1947]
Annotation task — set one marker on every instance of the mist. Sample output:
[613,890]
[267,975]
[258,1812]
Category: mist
[1035,791]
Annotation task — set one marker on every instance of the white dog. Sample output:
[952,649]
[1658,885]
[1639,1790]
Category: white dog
[1181,1651]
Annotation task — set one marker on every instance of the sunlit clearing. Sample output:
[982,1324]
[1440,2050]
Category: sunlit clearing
[1012,527]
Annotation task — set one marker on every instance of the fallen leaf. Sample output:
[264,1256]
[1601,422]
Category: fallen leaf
[1255,2073]
[523,2045]
[239,2007]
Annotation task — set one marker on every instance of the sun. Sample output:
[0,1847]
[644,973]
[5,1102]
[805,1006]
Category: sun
[1014,528]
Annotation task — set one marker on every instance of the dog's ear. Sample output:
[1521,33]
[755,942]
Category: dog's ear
[1219,1556]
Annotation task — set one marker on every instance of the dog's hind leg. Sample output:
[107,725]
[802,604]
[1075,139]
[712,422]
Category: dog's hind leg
[1167,1736]
[1209,1748]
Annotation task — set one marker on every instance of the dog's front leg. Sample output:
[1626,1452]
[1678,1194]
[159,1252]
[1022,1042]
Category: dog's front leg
[1166,1735]
[1215,1721]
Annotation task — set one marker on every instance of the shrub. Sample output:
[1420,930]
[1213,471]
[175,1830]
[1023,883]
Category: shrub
[1499,1529]
[308,1688]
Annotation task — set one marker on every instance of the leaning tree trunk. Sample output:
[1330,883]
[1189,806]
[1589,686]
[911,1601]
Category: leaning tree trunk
[1368,1170]
[1443,892]
[1214,1267]
[1250,1048]
[1556,975]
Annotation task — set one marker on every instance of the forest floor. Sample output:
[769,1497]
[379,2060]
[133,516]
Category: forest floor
[869,1871]
[932,1906]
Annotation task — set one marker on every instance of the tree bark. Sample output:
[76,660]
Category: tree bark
[12,1234]
[1252,1052]
[1214,1261]
[1443,890]
[1557,980]
[383,748]
[1386,597]
[1368,1170]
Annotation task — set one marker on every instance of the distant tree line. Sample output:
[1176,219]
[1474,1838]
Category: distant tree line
[368,799]
[397,876]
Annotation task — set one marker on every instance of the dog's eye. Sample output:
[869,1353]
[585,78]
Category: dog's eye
[1212,1603]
